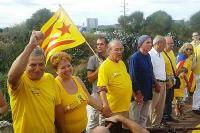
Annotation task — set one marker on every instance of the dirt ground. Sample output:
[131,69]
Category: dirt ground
[190,121]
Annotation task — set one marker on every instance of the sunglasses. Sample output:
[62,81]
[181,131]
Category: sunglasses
[189,49]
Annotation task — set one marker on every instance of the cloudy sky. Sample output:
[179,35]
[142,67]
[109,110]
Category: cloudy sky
[107,11]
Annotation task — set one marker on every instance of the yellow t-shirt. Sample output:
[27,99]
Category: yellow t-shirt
[118,82]
[33,104]
[180,92]
[75,108]
[197,58]
[196,131]
[168,67]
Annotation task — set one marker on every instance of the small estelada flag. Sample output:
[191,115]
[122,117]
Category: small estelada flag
[60,34]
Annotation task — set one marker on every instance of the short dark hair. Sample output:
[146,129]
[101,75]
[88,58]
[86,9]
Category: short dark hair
[103,38]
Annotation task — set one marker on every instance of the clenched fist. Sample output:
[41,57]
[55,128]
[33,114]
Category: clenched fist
[36,38]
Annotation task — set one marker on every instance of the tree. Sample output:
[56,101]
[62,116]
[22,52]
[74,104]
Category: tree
[181,30]
[158,23]
[132,23]
[123,21]
[38,19]
[136,20]
[195,22]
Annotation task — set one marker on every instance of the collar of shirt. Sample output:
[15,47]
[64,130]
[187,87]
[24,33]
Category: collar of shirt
[156,52]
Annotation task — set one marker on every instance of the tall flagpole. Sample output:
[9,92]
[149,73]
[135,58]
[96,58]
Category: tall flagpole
[94,52]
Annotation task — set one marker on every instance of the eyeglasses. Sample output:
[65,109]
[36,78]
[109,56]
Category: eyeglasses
[189,49]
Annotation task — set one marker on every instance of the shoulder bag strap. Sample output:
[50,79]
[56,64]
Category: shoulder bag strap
[170,63]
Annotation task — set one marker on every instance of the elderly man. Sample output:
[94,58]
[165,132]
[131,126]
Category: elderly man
[94,117]
[159,92]
[196,71]
[168,52]
[114,82]
[34,98]
[141,72]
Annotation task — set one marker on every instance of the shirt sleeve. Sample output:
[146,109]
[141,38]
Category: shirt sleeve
[91,64]
[20,86]
[102,76]
[134,74]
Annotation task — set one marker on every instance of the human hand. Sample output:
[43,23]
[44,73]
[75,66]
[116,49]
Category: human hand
[169,84]
[139,97]
[114,118]
[157,87]
[36,38]
[106,111]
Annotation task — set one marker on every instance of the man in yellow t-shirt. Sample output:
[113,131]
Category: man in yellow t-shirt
[167,115]
[34,98]
[114,82]
[196,71]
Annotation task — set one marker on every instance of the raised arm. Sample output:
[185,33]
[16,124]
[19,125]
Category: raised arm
[19,65]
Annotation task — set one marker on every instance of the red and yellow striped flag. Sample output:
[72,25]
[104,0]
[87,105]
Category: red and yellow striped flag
[60,34]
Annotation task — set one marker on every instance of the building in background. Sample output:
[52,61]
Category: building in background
[92,23]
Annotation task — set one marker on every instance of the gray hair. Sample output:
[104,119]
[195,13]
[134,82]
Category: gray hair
[158,39]
[195,34]
[37,51]
[113,42]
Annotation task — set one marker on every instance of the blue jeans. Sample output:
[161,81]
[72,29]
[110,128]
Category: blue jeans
[168,103]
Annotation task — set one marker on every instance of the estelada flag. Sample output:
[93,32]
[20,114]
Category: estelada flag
[60,34]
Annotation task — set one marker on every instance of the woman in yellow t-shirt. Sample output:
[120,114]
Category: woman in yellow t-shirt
[184,65]
[74,95]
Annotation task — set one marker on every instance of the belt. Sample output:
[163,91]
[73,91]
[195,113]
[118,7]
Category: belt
[161,80]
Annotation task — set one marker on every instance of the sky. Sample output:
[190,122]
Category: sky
[13,12]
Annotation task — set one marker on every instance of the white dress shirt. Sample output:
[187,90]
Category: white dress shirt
[158,63]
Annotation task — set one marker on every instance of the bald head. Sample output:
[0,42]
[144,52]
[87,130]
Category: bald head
[169,43]
[195,36]
[113,43]
[115,50]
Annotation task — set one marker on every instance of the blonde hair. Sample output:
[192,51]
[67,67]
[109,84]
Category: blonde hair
[58,57]
[184,47]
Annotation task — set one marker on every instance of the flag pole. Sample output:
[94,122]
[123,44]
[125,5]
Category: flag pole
[93,51]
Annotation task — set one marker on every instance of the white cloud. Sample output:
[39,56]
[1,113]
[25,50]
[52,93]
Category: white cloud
[107,11]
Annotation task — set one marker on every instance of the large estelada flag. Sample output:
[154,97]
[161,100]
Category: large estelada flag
[60,34]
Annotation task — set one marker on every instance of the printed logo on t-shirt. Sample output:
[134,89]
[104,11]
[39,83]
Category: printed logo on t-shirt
[80,99]
[35,91]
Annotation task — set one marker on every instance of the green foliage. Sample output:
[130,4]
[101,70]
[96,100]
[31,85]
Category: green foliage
[159,23]
[132,23]
[38,19]
[181,30]
[195,22]
[136,20]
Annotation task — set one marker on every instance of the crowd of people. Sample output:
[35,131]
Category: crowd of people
[145,92]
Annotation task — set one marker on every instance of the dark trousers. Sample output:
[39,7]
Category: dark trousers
[168,103]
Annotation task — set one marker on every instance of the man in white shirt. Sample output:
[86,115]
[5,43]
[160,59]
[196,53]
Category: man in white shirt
[159,92]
